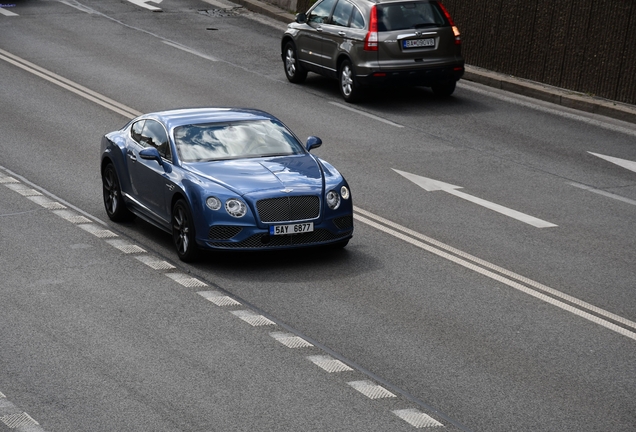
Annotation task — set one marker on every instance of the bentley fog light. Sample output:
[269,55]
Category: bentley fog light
[344,192]
[333,200]
[213,203]
[235,207]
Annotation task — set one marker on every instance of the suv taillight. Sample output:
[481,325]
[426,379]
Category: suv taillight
[371,39]
[458,39]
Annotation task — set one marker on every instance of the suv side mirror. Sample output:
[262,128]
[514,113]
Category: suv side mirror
[313,142]
[301,18]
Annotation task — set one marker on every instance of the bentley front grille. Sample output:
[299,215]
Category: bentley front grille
[288,209]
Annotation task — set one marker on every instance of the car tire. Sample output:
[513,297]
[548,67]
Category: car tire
[113,201]
[348,83]
[293,70]
[183,234]
[444,89]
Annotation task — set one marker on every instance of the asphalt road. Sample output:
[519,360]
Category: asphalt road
[479,319]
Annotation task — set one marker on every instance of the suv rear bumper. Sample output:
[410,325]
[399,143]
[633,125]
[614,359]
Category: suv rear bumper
[421,77]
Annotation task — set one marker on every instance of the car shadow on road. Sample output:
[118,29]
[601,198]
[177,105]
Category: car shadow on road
[295,265]
[398,99]
[291,265]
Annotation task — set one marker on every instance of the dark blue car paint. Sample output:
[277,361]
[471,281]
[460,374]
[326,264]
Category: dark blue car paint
[150,185]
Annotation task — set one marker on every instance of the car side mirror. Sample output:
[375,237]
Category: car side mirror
[301,18]
[313,142]
[151,153]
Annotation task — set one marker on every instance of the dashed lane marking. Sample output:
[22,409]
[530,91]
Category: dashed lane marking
[417,418]
[219,298]
[97,231]
[15,418]
[22,189]
[72,217]
[290,340]
[155,263]
[47,203]
[252,318]
[371,390]
[329,363]
[185,280]
[125,246]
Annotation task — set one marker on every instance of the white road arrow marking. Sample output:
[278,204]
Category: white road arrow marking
[627,164]
[143,4]
[436,185]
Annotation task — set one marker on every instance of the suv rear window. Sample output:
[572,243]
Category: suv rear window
[410,15]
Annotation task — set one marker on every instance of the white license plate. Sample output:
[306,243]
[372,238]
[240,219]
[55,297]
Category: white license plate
[418,43]
[291,229]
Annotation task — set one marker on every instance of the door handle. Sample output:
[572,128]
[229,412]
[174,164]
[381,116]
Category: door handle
[341,33]
[319,28]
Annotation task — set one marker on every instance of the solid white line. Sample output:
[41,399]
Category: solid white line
[366,114]
[69,85]
[189,50]
[506,280]
[602,192]
[531,220]
[528,102]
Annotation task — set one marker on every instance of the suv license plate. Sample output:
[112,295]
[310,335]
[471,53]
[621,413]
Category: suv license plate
[418,43]
[291,229]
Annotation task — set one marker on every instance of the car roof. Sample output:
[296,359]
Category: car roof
[186,116]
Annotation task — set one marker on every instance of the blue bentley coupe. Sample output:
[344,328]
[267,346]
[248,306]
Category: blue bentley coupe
[224,178]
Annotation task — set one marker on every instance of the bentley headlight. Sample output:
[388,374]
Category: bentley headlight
[235,207]
[333,200]
[344,192]
[213,203]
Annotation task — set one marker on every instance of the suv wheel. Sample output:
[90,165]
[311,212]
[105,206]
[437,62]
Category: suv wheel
[349,87]
[444,89]
[293,70]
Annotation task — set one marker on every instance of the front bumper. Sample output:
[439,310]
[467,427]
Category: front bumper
[253,238]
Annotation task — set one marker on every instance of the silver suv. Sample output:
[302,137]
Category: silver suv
[375,42]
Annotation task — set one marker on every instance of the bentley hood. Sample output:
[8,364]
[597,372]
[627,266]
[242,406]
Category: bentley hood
[245,176]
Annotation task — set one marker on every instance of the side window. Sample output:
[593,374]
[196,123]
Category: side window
[136,129]
[320,14]
[342,13]
[356,20]
[155,135]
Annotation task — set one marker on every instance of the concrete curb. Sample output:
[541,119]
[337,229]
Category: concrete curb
[559,96]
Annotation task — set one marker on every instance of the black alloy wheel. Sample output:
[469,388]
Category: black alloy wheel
[113,201]
[293,70]
[183,232]
[349,87]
